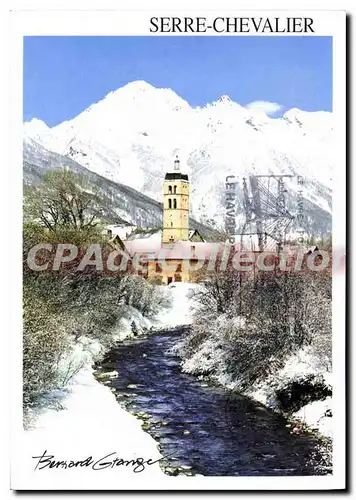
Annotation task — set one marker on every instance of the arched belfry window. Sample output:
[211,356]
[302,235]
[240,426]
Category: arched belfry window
[170,189]
[175,189]
[174,203]
[169,203]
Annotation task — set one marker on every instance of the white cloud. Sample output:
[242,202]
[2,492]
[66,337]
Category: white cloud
[269,108]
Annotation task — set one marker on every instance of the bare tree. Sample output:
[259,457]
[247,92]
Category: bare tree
[63,200]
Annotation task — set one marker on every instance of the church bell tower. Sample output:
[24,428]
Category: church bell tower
[175,205]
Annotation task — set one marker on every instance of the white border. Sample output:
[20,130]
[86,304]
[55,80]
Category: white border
[115,22]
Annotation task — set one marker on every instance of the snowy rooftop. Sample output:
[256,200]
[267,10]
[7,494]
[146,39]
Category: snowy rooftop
[147,234]
[154,249]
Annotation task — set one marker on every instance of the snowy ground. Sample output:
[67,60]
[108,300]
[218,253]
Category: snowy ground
[85,420]
[315,414]
[181,311]
[93,424]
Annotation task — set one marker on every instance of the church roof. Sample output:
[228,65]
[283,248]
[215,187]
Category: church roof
[176,176]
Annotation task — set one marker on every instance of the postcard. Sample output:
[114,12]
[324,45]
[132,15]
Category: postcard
[183,238]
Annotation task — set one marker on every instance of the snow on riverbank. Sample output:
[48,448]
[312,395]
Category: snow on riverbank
[93,424]
[90,426]
[84,419]
[317,415]
[209,358]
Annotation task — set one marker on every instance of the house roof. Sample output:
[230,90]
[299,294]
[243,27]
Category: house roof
[155,234]
[312,249]
[123,231]
[116,241]
[192,232]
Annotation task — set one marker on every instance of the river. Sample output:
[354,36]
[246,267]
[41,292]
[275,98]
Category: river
[202,429]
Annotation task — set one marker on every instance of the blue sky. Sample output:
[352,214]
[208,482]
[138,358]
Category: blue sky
[65,75]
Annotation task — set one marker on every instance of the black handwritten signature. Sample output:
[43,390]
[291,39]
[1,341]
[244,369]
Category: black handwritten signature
[110,460]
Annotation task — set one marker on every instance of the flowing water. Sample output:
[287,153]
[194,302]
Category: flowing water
[205,429]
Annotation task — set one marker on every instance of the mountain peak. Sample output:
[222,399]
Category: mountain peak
[36,122]
[138,85]
[293,113]
[129,89]
[35,127]
[225,99]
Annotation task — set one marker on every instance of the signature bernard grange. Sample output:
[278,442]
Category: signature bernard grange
[109,461]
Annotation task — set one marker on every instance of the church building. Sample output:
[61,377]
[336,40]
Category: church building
[175,206]
[173,253]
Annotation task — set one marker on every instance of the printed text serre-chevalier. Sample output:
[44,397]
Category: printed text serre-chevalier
[262,25]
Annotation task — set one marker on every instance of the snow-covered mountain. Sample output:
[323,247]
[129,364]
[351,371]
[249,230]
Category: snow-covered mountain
[134,133]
